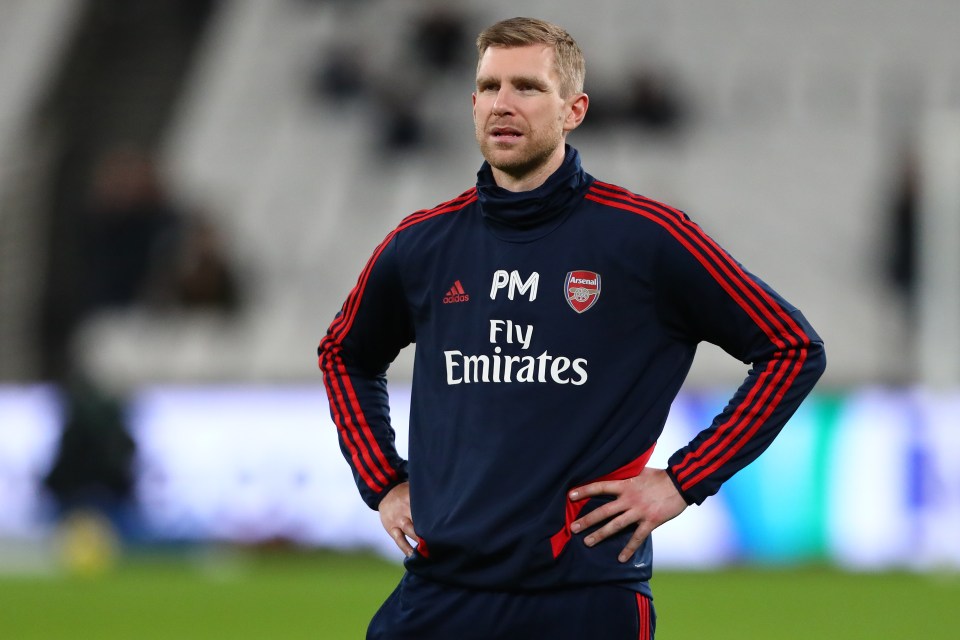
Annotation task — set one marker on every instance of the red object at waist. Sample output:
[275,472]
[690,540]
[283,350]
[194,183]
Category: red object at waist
[632,469]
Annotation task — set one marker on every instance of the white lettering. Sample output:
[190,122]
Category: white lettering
[496,326]
[524,338]
[580,366]
[522,333]
[559,365]
[476,369]
[495,367]
[501,279]
[527,370]
[543,358]
[523,287]
[508,362]
[448,358]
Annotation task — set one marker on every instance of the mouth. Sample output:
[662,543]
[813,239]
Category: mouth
[505,134]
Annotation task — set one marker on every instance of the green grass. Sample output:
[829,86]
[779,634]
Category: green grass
[332,596]
[807,603]
[214,595]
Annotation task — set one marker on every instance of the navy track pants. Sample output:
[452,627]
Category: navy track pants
[420,609]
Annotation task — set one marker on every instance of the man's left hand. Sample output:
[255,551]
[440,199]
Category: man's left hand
[647,501]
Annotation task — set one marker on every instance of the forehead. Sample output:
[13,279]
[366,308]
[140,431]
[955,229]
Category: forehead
[530,60]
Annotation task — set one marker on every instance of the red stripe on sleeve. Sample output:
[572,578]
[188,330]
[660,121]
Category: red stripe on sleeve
[346,428]
[342,325]
[365,453]
[727,263]
[371,444]
[701,246]
[763,310]
[732,450]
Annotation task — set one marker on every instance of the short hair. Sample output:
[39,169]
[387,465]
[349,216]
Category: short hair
[520,32]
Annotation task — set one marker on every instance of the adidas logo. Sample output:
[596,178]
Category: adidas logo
[456,294]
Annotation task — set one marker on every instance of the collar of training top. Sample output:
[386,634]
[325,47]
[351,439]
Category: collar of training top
[528,215]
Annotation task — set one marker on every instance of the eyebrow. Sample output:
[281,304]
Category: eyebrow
[530,80]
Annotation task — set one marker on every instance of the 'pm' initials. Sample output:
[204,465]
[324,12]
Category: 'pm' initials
[501,279]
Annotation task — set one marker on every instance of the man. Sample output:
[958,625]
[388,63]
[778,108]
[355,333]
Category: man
[555,318]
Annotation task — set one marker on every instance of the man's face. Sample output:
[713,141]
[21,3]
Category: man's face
[519,116]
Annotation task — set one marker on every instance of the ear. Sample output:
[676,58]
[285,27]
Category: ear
[576,112]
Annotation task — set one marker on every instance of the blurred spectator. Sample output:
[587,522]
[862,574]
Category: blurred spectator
[440,38]
[93,467]
[201,276]
[140,249]
[340,76]
[653,100]
[902,239]
[129,232]
[439,42]
[646,95]
[400,122]
[397,88]
[132,247]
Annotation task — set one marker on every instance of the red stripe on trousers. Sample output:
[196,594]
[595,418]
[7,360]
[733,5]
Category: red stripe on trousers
[643,612]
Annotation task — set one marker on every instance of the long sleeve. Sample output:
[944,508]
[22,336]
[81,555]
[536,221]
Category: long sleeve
[364,338]
[708,296]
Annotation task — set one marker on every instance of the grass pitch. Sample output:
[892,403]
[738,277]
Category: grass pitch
[279,595]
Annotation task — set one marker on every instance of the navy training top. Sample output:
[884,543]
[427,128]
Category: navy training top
[553,330]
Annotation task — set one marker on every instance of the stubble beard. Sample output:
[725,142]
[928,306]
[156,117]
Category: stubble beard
[521,162]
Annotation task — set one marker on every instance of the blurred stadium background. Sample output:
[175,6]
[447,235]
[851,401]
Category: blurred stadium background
[189,188]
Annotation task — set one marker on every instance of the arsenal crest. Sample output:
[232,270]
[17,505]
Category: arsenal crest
[582,289]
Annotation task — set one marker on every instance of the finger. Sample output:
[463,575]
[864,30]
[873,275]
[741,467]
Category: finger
[406,525]
[400,539]
[613,527]
[598,515]
[634,543]
[595,489]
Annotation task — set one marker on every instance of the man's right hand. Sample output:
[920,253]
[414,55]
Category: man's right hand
[396,518]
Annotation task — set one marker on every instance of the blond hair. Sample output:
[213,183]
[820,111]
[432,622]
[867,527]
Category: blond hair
[520,32]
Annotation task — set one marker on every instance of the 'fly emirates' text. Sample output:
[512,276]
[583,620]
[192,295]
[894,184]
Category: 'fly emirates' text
[467,369]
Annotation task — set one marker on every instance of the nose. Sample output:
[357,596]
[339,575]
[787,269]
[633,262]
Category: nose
[502,104]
